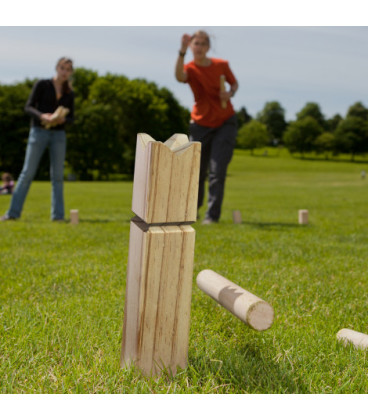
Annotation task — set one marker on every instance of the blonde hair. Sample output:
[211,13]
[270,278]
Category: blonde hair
[67,86]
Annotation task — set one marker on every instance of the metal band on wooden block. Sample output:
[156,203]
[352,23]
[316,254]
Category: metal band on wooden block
[359,340]
[161,255]
[249,308]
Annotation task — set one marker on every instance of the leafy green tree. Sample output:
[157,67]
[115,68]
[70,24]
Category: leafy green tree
[352,136]
[358,110]
[109,112]
[301,135]
[93,137]
[252,135]
[243,117]
[93,145]
[82,82]
[108,120]
[312,109]
[332,123]
[325,143]
[14,126]
[273,116]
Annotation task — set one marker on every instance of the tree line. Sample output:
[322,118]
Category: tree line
[311,132]
[110,110]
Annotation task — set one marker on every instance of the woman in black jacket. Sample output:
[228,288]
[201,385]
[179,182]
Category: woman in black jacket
[51,106]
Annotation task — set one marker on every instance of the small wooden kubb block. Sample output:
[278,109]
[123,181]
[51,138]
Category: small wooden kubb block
[74,217]
[161,255]
[303,217]
[237,218]
[249,308]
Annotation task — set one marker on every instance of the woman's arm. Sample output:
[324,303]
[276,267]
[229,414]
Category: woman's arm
[30,107]
[180,74]
[33,99]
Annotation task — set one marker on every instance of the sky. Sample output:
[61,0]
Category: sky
[291,65]
[272,59]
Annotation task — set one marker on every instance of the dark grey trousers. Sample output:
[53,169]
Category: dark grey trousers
[217,150]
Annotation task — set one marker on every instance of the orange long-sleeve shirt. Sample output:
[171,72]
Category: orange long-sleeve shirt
[205,84]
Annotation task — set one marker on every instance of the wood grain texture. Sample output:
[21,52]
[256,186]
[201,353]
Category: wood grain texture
[249,308]
[166,179]
[136,266]
[158,297]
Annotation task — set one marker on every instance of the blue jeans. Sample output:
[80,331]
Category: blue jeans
[39,139]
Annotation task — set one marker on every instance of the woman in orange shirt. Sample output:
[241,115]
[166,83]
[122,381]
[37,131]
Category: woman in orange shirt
[213,119]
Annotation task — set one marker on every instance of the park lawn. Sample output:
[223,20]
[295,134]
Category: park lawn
[62,286]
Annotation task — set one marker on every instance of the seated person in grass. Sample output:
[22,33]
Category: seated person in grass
[8,184]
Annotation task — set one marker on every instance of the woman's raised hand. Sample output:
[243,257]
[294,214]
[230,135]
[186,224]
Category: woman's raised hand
[185,41]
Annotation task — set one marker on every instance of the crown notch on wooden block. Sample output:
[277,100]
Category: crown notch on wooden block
[166,177]
[176,141]
[144,139]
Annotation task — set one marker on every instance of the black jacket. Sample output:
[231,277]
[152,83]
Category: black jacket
[43,100]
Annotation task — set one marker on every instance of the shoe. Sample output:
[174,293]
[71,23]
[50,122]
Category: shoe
[58,220]
[6,217]
[208,221]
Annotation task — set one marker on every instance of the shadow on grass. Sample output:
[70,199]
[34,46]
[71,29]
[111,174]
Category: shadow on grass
[92,221]
[264,156]
[270,225]
[330,159]
[264,374]
[83,221]
[247,368]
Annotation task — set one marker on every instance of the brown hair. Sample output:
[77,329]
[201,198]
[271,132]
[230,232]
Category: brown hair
[202,34]
[67,86]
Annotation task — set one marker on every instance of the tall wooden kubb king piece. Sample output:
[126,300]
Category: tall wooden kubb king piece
[161,254]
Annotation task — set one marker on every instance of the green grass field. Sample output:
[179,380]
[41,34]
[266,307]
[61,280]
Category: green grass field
[62,286]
